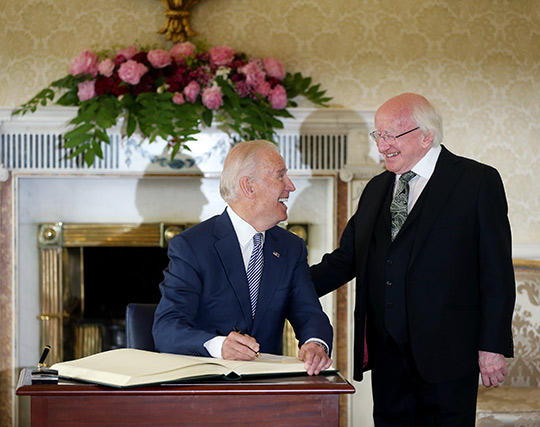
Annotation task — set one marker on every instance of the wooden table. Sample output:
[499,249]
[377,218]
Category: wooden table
[288,401]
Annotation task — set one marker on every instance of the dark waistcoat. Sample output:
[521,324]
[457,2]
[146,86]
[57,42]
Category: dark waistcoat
[387,271]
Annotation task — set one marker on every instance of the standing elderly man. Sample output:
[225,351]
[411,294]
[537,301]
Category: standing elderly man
[430,248]
[239,271]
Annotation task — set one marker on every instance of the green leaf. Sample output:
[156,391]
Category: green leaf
[79,130]
[207,116]
[89,157]
[96,147]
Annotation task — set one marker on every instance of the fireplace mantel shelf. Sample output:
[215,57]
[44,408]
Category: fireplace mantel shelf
[328,140]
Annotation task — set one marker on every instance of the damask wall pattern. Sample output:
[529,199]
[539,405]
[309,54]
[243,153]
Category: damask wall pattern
[478,61]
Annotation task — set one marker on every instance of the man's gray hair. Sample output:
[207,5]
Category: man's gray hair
[429,120]
[242,160]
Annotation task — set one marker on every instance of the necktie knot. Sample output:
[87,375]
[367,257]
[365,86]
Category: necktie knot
[407,176]
[257,238]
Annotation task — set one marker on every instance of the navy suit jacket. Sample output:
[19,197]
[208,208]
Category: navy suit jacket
[205,291]
[459,282]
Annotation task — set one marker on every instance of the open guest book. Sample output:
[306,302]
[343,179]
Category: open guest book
[127,367]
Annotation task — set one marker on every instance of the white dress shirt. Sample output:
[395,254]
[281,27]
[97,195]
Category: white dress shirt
[423,170]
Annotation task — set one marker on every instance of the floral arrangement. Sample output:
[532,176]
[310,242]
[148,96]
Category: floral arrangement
[170,94]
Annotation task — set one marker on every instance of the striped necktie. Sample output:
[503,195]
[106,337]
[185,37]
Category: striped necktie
[254,271]
[398,207]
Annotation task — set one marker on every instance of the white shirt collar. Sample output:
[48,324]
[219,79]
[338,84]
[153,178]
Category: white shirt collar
[244,230]
[426,165]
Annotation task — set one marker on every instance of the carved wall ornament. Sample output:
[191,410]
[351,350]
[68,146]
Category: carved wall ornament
[177,28]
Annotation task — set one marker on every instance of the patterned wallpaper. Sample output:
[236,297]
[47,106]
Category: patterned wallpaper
[478,61]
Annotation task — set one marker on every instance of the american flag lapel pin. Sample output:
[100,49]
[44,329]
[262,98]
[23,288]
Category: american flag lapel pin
[276,254]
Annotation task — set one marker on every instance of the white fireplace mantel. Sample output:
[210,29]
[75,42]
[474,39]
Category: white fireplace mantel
[315,140]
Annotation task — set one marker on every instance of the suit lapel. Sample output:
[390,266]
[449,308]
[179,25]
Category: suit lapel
[438,192]
[230,255]
[370,211]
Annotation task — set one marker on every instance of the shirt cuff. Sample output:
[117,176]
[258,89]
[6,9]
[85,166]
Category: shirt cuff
[214,346]
[320,342]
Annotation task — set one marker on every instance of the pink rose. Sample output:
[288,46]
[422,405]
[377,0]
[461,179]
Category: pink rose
[178,98]
[85,63]
[254,73]
[159,58]
[212,97]
[192,91]
[263,88]
[128,53]
[131,72]
[106,67]
[87,90]
[278,97]
[221,55]
[274,68]
[182,50]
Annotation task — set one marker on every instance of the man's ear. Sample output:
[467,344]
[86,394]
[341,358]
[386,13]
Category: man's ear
[428,139]
[246,187]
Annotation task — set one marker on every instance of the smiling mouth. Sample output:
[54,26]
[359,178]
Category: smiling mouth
[392,154]
[283,199]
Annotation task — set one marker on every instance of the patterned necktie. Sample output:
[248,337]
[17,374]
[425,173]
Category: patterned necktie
[398,207]
[254,271]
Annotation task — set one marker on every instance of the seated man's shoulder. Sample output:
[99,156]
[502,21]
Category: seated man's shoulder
[286,236]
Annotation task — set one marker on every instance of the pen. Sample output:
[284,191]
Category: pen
[238,331]
[44,355]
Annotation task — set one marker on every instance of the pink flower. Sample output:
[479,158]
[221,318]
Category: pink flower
[192,91]
[85,63]
[159,58]
[212,97]
[182,50]
[128,53]
[242,89]
[274,68]
[263,88]
[221,55]
[87,90]
[278,97]
[131,72]
[254,73]
[178,98]
[106,67]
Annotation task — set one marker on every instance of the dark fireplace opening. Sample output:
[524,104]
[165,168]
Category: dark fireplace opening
[115,277]
[101,281]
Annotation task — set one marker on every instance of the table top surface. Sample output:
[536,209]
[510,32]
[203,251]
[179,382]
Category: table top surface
[333,383]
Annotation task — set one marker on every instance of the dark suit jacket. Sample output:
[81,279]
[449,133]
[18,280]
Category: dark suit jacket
[205,291]
[459,282]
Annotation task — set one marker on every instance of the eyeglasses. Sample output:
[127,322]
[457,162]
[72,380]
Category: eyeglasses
[389,139]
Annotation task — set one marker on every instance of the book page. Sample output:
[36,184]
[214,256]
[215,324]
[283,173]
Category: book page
[128,367]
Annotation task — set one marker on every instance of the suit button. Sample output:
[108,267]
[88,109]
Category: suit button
[389,261]
[388,283]
[389,304]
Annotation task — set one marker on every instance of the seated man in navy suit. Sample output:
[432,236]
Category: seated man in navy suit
[224,296]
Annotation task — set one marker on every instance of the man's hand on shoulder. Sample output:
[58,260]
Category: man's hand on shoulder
[492,368]
[314,357]
[240,347]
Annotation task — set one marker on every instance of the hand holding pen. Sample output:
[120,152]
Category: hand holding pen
[239,346]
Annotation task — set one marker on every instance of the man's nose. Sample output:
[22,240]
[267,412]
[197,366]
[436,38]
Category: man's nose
[289,184]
